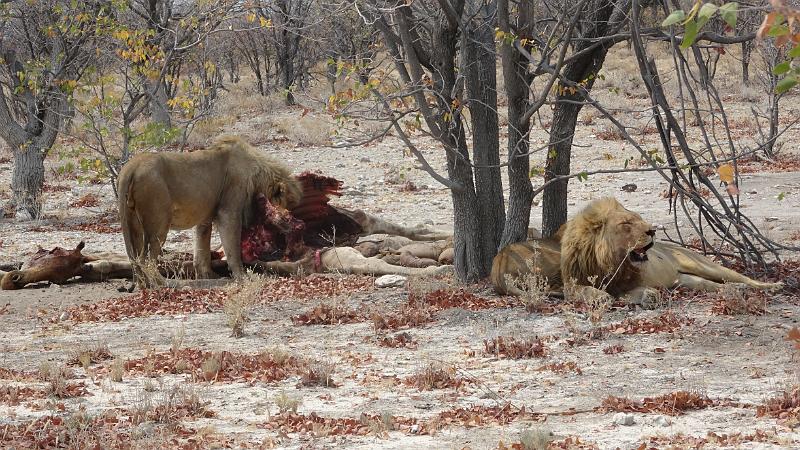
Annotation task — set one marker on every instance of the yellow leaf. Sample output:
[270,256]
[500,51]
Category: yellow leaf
[726,173]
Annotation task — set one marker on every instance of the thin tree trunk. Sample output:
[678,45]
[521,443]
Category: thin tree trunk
[27,181]
[516,83]
[554,201]
[481,83]
[158,104]
[746,50]
[581,70]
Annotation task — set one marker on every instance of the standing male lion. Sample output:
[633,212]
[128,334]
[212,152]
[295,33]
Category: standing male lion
[163,191]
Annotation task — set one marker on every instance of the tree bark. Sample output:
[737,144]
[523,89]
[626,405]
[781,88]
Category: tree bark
[582,70]
[157,96]
[517,80]
[554,201]
[481,81]
[746,50]
[27,180]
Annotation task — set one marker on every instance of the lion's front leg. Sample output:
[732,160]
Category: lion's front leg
[202,251]
[229,223]
[646,297]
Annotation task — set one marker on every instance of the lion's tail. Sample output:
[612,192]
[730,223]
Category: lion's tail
[127,215]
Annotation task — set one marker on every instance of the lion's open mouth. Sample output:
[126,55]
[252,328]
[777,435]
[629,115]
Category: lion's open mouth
[640,254]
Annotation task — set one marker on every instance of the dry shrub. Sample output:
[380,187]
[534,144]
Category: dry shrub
[533,285]
[512,348]
[610,133]
[614,349]
[318,373]
[435,376]
[287,403]
[178,404]
[328,314]
[88,354]
[242,295]
[117,370]
[733,300]
[14,395]
[673,403]
[58,385]
[410,314]
[86,201]
[399,340]
[785,407]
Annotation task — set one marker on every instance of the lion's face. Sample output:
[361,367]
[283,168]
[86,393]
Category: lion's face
[630,236]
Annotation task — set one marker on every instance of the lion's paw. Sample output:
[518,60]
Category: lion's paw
[646,298]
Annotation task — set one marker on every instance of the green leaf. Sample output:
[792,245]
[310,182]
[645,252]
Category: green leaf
[778,30]
[705,14]
[781,196]
[728,11]
[689,34]
[795,52]
[782,68]
[785,84]
[674,17]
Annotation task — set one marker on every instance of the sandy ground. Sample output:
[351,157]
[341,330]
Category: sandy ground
[735,362]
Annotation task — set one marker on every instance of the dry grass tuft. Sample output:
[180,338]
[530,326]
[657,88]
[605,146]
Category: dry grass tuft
[242,295]
[512,348]
[318,373]
[88,354]
[435,376]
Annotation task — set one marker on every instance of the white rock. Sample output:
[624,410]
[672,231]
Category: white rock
[390,281]
[662,421]
[623,419]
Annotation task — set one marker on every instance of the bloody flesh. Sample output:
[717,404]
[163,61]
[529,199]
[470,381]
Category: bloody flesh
[279,234]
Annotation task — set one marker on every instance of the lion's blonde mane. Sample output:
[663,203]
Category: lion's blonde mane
[587,252]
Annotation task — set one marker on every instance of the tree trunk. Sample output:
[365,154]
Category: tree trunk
[581,70]
[27,181]
[517,80]
[747,47]
[480,70]
[159,112]
[554,202]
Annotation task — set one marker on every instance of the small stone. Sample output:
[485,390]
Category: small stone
[64,316]
[623,419]
[414,429]
[390,281]
[662,421]
[364,159]
[770,219]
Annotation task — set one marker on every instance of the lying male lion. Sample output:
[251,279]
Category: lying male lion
[163,191]
[614,247]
